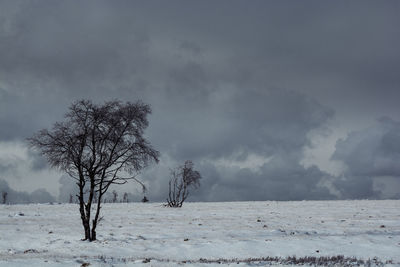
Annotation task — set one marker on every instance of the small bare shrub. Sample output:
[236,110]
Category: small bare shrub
[182,179]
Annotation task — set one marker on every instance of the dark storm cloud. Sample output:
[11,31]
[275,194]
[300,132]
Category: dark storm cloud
[226,81]
[22,112]
[264,122]
[55,52]
[65,41]
[275,181]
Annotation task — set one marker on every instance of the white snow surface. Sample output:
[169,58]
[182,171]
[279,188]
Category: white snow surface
[129,233]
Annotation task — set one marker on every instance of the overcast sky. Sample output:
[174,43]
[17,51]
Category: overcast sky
[271,100]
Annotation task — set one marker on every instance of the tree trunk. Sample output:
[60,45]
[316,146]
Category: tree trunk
[93,237]
[85,210]
[96,217]
[86,226]
[95,220]
[85,222]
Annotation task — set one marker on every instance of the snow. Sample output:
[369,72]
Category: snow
[130,233]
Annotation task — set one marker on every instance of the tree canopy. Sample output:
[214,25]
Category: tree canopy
[98,145]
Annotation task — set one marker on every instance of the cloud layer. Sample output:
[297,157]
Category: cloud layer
[238,88]
[370,155]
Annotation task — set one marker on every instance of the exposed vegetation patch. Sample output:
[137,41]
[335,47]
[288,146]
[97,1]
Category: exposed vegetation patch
[338,260]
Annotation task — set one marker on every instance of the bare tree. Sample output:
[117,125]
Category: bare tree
[4,196]
[182,178]
[98,145]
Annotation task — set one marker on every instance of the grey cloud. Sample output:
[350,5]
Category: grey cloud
[372,153]
[10,164]
[65,41]
[191,47]
[68,187]
[7,166]
[60,51]
[292,183]
[37,161]
[23,112]
[17,197]
[356,187]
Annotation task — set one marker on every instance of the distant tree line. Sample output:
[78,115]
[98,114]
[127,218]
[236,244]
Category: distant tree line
[11,196]
[109,198]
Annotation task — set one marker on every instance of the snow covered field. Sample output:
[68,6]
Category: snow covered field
[150,234]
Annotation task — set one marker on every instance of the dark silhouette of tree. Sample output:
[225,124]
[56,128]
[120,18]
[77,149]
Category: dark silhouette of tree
[125,198]
[4,196]
[98,145]
[182,178]
[144,200]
